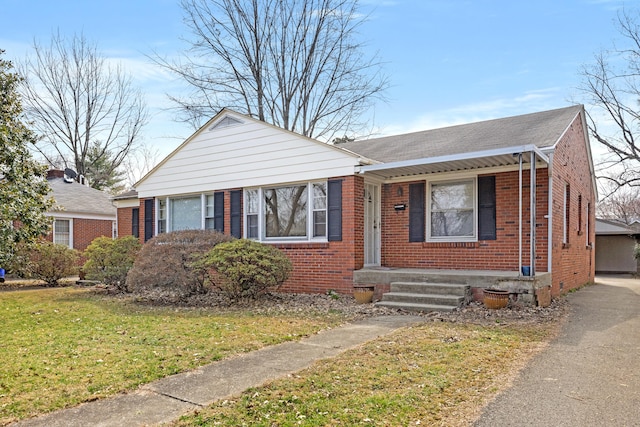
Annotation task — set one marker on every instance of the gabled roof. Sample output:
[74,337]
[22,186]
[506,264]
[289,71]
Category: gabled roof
[542,130]
[79,200]
[218,130]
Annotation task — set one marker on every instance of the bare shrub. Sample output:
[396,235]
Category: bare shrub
[165,265]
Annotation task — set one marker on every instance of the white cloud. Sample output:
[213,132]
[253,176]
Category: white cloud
[528,102]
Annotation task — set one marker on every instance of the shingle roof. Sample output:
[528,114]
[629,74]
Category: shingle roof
[541,129]
[74,197]
[612,227]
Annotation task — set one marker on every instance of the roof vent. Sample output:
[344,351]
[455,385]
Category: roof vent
[226,121]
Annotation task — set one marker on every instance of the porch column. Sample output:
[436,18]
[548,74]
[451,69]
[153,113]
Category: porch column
[532,216]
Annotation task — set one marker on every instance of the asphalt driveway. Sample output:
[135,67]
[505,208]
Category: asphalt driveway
[589,375]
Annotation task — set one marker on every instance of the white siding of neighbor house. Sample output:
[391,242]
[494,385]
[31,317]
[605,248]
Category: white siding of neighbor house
[244,155]
[614,254]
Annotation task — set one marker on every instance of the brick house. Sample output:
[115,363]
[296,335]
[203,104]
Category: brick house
[457,200]
[81,214]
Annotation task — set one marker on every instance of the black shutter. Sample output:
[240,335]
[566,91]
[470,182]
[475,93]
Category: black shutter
[236,213]
[148,219]
[135,222]
[218,211]
[417,212]
[334,210]
[487,208]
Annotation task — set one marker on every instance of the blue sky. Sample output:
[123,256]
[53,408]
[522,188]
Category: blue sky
[449,61]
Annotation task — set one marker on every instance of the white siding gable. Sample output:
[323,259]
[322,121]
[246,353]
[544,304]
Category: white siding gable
[234,151]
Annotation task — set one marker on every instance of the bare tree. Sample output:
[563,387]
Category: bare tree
[85,109]
[141,160]
[622,205]
[292,63]
[612,86]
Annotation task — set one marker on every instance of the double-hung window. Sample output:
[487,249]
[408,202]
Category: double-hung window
[202,211]
[452,210]
[62,232]
[294,212]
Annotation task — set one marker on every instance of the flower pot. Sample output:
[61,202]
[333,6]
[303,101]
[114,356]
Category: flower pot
[495,299]
[363,295]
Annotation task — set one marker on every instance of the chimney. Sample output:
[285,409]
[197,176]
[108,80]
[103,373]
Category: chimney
[55,173]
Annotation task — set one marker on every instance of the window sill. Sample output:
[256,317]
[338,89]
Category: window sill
[299,245]
[436,244]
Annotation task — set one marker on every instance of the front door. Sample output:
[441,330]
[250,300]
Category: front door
[371,225]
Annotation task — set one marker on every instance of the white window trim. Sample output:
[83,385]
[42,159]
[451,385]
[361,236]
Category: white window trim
[168,200]
[261,220]
[70,230]
[474,237]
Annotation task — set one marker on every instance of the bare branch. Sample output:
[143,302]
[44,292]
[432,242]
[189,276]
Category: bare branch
[293,63]
[84,109]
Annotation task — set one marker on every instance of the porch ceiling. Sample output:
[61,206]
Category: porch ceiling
[454,163]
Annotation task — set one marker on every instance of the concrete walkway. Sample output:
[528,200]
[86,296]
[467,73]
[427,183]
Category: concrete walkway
[588,376]
[167,399]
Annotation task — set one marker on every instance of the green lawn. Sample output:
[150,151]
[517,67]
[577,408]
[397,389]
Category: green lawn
[63,346]
[439,374]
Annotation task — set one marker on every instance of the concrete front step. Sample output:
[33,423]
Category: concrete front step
[429,299]
[430,288]
[425,308]
[425,296]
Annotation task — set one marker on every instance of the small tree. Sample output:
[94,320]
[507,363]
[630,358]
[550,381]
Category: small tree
[23,184]
[47,261]
[246,268]
[109,260]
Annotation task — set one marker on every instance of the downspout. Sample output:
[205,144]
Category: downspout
[550,215]
[532,216]
[520,215]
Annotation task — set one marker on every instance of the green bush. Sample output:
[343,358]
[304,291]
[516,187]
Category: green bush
[245,268]
[47,261]
[109,260]
[164,267]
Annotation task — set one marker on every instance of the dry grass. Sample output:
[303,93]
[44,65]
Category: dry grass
[439,374]
[64,346]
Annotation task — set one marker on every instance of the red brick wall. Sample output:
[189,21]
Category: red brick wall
[124,222]
[500,254]
[573,264]
[85,230]
[319,267]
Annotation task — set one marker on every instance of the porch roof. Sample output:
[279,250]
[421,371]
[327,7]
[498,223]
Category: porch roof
[508,156]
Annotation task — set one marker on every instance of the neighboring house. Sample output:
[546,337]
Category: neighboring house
[457,199]
[615,243]
[81,214]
